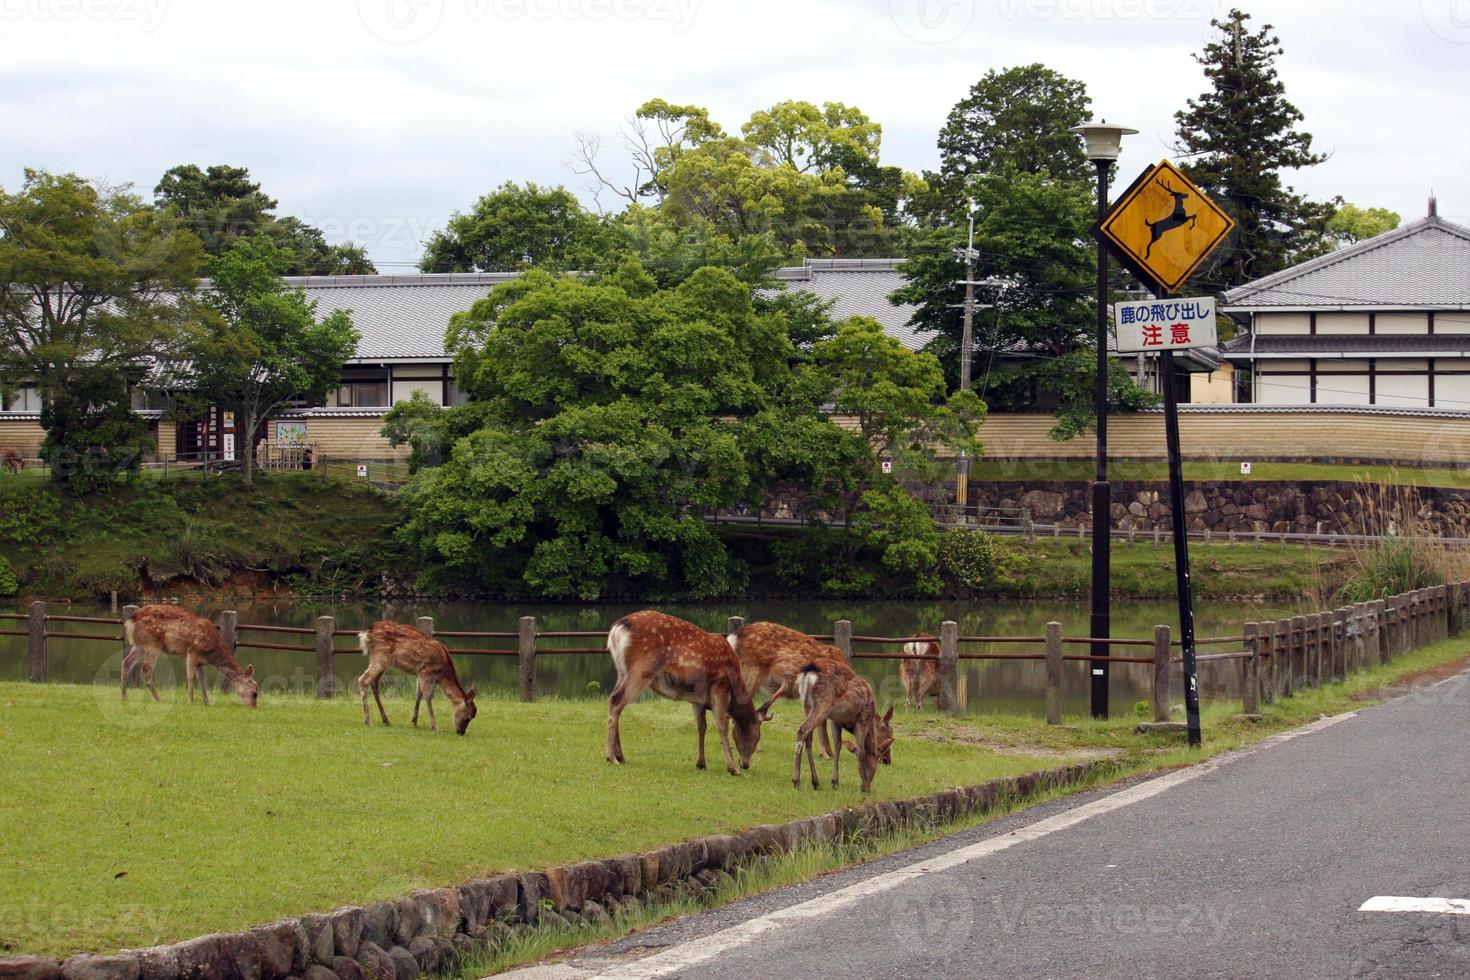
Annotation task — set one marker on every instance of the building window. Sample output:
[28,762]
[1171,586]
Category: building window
[362,394]
[1245,384]
[21,400]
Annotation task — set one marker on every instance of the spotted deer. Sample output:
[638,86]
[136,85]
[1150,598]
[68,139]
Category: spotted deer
[388,644]
[151,631]
[832,693]
[919,676]
[681,662]
[771,655]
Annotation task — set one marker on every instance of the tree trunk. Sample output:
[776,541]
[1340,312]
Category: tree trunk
[247,448]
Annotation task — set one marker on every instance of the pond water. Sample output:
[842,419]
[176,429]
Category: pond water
[1005,686]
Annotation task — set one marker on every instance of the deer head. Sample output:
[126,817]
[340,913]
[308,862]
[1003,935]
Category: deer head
[464,711]
[245,687]
[747,735]
[884,737]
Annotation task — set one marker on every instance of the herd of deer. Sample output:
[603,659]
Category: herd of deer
[650,650]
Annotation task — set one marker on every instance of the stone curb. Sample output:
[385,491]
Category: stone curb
[429,931]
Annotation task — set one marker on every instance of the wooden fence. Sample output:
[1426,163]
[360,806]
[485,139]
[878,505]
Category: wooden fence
[1275,659]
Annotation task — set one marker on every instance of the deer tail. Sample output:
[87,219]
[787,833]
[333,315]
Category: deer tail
[617,645]
[362,642]
[806,682]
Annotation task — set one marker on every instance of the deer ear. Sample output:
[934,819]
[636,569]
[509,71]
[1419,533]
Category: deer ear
[470,694]
[250,670]
[850,747]
[889,716]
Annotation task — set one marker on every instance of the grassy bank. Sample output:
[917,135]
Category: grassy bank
[302,532]
[128,825]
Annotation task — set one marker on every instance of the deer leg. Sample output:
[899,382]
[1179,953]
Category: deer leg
[378,697]
[147,670]
[827,743]
[364,685]
[722,722]
[203,681]
[418,697]
[429,702]
[625,693]
[837,754]
[189,677]
[796,763]
[130,657]
[700,722]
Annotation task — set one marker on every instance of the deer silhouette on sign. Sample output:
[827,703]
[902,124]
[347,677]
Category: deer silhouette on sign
[1175,219]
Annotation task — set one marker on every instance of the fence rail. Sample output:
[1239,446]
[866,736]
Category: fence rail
[1276,659]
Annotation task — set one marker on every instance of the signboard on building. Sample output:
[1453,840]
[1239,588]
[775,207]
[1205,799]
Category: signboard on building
[1163,227]
[291,433]
[229,447]
[1165,324]
[362,470]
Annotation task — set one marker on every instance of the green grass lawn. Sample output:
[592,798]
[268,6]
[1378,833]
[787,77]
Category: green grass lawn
[1082,469]
[146,823]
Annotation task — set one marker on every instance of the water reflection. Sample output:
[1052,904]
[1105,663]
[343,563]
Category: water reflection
[1014,686]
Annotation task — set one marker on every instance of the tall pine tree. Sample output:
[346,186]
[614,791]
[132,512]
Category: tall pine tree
[1236,139]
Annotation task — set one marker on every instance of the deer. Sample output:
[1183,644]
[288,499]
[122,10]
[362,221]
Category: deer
[919,676]
[1176,218]
[153,630]
[681,662]
[770,656]
[389,644]
[832,693]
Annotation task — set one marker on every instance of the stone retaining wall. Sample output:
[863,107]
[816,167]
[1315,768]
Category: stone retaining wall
[1276,506]
[429,931]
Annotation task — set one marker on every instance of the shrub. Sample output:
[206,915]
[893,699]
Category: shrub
[1408,556]
[28,514]
[9,585]
[969,558]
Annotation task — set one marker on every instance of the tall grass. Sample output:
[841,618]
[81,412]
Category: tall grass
[1408,555]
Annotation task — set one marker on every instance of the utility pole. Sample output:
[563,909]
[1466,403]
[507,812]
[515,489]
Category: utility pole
[967,336]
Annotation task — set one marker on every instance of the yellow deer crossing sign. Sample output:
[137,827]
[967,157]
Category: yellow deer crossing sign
[1163,227]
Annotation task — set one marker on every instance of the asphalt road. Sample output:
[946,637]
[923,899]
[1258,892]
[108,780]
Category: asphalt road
[1254,864]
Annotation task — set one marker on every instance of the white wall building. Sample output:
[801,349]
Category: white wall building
[1382,322]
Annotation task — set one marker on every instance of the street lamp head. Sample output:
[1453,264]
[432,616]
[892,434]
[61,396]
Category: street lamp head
[1102,138]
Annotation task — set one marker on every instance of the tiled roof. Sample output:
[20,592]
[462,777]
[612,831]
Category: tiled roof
[1331,345]
[1424,264]
[402,317]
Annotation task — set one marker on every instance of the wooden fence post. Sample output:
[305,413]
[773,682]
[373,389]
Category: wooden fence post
[1251,690]
[1380,631]
[36,642]
[1162,650]
[1297,677]
[1054,673]
[842,638]
[425,625]
[1312,634]
[229,622]
[326,675]
[1339,641]
[132,678]
[1266,647]
[1390,628]
[528,657]
[1442,613]
[949,662]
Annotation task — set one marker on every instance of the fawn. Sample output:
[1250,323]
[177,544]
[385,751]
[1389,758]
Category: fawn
[152,631]
[681,662]
[388,644]
[919,676]
[831,692]
[771,655]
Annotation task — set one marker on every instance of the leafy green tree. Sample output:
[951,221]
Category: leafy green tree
[92,432]
[88,281]
[1017,120]
[516,226]
[263,344]
[221,204]
[1350,223]
[1238,137]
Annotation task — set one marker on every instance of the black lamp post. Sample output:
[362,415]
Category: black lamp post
[1103,143]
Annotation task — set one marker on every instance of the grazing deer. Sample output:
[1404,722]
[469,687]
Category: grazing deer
[387,644]
[771,655]
[681,662]
[1175,219]
[919,676]
[152,631]
[11,461]
[832,693]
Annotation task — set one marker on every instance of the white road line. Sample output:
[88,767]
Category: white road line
[697,951]
[1399,903]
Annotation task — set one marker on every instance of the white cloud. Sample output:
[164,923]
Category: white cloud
[382,140]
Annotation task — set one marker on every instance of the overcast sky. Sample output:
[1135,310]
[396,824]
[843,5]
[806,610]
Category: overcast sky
[377,118]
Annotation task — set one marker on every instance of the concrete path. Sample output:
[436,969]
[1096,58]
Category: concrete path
[1339,850]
